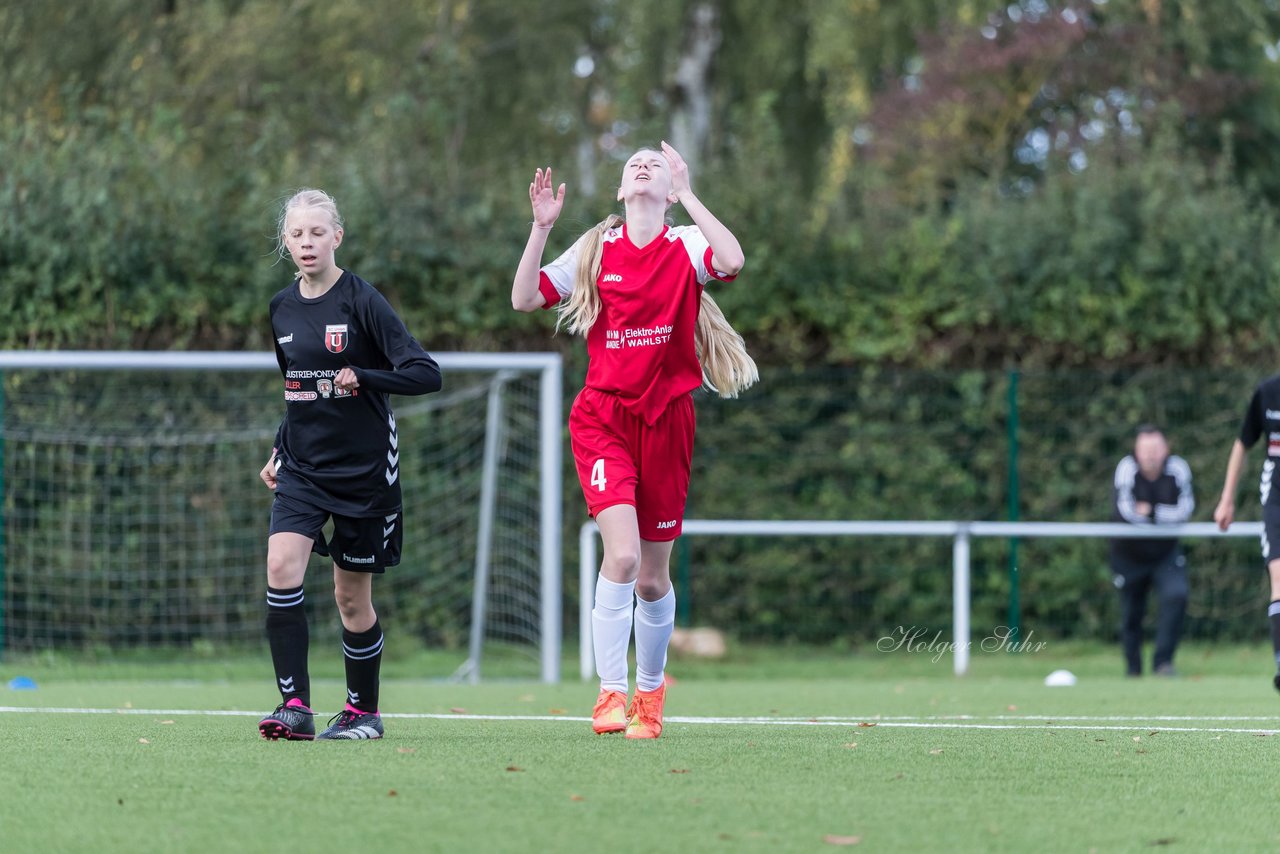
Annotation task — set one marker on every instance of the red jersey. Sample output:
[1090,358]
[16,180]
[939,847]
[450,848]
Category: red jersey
[641,347]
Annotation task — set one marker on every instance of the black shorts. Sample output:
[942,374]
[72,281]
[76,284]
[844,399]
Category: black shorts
[357,545]
[1270,533]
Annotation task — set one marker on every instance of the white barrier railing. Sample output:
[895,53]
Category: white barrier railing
[960,533]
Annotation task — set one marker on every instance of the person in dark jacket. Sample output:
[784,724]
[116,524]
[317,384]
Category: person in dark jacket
[1152,487]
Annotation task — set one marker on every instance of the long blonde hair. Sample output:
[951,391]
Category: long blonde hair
[727,367]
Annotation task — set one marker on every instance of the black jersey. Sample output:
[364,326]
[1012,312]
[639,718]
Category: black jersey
[339,450]
[1263,417]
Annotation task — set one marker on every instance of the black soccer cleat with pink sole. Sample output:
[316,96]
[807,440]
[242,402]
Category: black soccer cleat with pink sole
[291,721]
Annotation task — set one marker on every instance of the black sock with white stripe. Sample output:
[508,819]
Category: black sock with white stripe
[289,639]
[362,654]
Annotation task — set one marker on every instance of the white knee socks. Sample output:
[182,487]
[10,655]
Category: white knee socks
[611,632]
[654,622]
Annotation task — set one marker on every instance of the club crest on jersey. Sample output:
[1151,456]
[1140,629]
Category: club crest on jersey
[335,337]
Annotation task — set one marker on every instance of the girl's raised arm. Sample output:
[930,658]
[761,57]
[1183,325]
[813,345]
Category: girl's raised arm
[546,205]
[726,252]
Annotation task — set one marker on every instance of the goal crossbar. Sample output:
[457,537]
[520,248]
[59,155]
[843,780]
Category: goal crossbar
[959,532]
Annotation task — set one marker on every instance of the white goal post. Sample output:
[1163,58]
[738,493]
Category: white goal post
[540,489]
[959,532]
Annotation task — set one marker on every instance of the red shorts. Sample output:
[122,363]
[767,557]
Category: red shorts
[622,460]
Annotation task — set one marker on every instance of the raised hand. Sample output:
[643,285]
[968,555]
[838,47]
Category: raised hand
[679,170]
[546,203]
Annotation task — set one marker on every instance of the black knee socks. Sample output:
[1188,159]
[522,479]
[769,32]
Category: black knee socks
[362,654]
[287,634]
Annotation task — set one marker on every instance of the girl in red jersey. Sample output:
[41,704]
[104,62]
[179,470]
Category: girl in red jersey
[633,287]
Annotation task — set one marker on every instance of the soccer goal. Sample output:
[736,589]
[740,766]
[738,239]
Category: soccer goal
[133,515]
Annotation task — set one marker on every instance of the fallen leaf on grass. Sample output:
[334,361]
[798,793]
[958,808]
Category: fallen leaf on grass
[832,839]
[935,751]
[555,711]
[851,745]
[679,770]
[1012,707]
[867,723]
[1140,750]
[406,750]
[1156,732]
[144,741]
[1167,840]
[166,722]
[514,768]
[458,711]
[120,801]
[576,798]
[391,794]
[1137,738]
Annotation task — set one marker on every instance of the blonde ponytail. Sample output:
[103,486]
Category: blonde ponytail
[579,312]
[727,367]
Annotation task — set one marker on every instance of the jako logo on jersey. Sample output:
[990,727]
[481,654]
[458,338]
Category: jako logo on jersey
[335,337]
[286,339]
[668,524]
[611,277]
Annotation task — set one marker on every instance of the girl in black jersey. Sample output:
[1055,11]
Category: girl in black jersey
[342,350]
[1261,420]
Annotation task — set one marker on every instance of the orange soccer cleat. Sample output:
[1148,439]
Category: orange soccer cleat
[645,716]
[609,714]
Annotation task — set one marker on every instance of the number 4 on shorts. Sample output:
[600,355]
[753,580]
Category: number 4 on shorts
[597,475]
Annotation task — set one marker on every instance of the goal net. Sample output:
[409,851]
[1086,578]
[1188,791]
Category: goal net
[134,516]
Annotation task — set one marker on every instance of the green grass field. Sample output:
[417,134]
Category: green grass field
[772,750]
